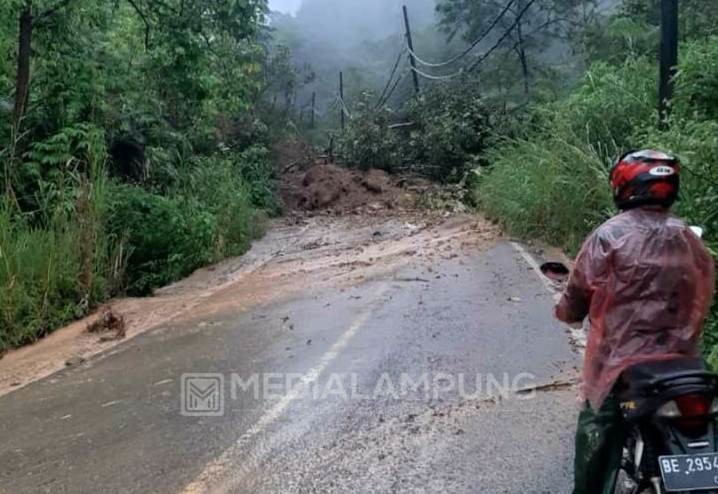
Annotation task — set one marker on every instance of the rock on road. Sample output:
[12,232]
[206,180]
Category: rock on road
[341,320]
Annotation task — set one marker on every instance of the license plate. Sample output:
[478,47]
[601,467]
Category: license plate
[689,472]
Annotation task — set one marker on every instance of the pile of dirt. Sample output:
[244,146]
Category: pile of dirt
[311,183]
[314,184]
[329,187]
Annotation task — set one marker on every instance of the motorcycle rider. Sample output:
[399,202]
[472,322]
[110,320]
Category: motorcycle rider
[646,281]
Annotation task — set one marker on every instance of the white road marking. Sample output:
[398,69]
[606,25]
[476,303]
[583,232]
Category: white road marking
[537,269]
[577,335]
[216,470]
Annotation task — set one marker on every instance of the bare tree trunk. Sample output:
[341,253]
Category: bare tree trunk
[87,242]
[22,83]
[523,59]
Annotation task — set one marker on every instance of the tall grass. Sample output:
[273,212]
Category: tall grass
[548,187]
[51,274]
[221,187]
[553,183]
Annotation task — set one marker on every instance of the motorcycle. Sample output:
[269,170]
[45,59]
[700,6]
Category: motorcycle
[670,410]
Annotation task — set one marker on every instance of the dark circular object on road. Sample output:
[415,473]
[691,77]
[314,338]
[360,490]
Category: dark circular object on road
[555,270]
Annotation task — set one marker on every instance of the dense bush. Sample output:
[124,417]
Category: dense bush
[138,239]
[368,141]
[256,167]
[450,126]
[165,238]
[697,89]
[236,199]
[453,127]
[211,214]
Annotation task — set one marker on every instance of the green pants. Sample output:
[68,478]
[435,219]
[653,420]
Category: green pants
[599,444]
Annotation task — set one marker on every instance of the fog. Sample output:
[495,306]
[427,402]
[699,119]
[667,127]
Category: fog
[360,37]
[285,6]
[335,31]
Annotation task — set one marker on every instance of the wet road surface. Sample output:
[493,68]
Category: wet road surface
[388,361]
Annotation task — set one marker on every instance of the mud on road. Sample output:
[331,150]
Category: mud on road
[298,251]
[360,280]
[364,295]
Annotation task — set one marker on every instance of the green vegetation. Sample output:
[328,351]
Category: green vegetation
[132,147]
[471,100]
[450,127]
[551,182]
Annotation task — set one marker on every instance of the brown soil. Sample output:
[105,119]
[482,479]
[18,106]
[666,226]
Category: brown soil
[311,184]
[296,253]
[332,188]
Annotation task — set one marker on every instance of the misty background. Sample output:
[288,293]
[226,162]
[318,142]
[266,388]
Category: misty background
[285,6]
[362,38]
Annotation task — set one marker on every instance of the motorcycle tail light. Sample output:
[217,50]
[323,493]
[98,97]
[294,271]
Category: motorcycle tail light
[690,413]
[689,406]
[694,405]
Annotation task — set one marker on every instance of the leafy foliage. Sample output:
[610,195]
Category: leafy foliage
[453,127]
[255,166]
[449,128]
[166,237]
[368,141]
[140,154]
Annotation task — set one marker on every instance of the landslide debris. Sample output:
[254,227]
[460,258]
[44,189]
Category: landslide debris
[332,188]
[313,184]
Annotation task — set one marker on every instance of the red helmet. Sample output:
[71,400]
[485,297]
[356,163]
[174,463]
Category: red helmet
[648,177]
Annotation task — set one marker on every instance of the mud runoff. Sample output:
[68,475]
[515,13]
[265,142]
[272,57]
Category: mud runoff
[298,250]
[357,286]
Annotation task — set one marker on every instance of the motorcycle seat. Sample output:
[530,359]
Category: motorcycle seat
[666,378]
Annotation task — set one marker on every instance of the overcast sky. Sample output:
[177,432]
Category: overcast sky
[289,6]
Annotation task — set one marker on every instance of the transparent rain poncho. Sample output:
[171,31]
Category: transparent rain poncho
[646,281]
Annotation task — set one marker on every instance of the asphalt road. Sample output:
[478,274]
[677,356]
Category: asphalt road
[402,379]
